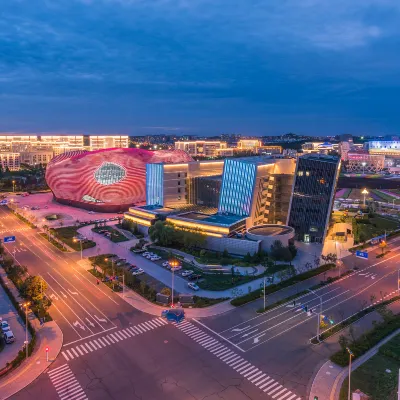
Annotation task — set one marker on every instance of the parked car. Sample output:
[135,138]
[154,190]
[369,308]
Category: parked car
[5,327]
[193,286]
[174,314]
[187,272]
[155,258]
[176,268]
[138,271]
[165,264]
[194,277]
[145,254]
[9,337]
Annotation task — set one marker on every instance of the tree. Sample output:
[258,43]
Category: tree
[317,262]
[287,255]
[34,288]
[225,254]
[362,237]
[166,291]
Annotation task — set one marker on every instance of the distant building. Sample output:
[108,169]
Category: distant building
[362,162]
[204,148]
[36,157]
[249,144]
[388,148]
[313,192]
[108,142]
[11,161]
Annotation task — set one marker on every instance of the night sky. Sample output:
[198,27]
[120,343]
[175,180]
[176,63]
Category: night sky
[257,67]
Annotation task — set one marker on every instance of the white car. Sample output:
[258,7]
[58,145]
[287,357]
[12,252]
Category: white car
[155,258]
[145,254]
[9,337]
[193,286]
[5,327]
[138,271]
[176,268]
[187,272]
[165,264]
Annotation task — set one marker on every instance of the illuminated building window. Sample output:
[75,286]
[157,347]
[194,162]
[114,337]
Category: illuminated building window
[307,173]
[300,173]
[109,173]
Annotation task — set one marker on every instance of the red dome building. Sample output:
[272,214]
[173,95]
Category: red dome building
[106,180]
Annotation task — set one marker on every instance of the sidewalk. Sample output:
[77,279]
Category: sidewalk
[47,335]
[329,378]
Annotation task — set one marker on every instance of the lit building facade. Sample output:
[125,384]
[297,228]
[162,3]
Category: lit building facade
[381,147]
[108,142]
[10,161]
[205,148]
[249,144]
[362,162]
[105,180]
[313,193]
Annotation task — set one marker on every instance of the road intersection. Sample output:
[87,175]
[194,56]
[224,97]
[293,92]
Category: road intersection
[112,350]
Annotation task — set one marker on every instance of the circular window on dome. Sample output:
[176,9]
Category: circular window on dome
[109,173]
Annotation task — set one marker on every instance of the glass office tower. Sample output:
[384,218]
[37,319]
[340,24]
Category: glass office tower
[313,194]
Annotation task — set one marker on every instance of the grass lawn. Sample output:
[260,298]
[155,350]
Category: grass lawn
[67,233]
[116,236]
[372,378]
[376,227]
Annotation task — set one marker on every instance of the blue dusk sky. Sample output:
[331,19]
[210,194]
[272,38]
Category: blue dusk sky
[257,67]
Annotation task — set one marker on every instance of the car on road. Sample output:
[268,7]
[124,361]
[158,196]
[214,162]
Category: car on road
[91,212]
[165,264]
[9,337]
[187,272]
[5,327]
[193,286]
[194,277]
[138,271]
[174,314]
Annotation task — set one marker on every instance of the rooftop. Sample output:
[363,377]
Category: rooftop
[215,219]
[270,230]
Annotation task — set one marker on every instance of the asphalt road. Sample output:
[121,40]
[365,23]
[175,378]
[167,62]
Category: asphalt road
[113,351]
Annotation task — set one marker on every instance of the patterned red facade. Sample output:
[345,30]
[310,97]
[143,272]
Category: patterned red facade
[107,180]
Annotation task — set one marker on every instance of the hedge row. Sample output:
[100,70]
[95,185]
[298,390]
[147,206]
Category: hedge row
[31,345]
[256,294]
[367,341]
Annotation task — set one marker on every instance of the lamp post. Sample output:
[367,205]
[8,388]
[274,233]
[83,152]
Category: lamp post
[350,355]
[80,241]
[363,165]
[26,305]
[338,257]
[13,183]
[112,266]
[173,265]
[319,313]
[365,192]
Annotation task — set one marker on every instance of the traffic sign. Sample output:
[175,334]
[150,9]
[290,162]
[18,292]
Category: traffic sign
[362,254]
[9,239]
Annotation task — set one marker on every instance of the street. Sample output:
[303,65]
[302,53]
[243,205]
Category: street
[113,351]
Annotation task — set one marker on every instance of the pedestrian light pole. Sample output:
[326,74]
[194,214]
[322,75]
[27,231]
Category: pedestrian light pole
[80,242]
[350,355]
[13,183]
[173,265]
[26,305]
[365,192]
[319,313]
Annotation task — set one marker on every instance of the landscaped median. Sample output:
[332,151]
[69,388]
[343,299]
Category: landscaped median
[256,294]
[348,321]
[23,219]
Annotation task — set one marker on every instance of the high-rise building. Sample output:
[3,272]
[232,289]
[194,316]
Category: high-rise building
[313,193]
[11,161]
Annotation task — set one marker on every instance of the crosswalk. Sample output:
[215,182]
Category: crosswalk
[111,338]
[254,375]
[65,384]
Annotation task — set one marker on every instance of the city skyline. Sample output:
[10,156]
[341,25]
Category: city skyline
[199,67]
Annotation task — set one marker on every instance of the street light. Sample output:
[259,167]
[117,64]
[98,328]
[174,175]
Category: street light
[338,259]
[173,264]
[363,165]
[320,312]
[112,266]
[80,241]
[365,192]
[350,355]
[13,182]
[26,305]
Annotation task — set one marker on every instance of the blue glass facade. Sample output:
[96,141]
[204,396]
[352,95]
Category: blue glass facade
[237,187]
[154,184]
